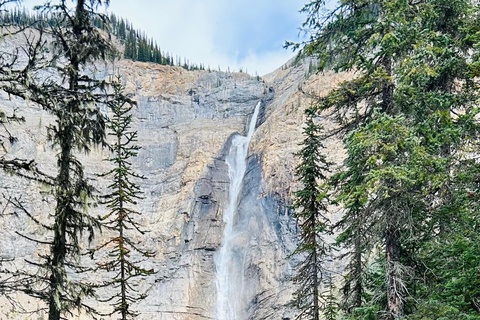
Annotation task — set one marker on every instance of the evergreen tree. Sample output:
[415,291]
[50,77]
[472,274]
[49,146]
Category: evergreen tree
[402,139]
[121,218]
[131,46]
[331,306]
[310,204]
[365,22]
[77,127]
[113,22]
[441,92]
[122,33]
[72,100]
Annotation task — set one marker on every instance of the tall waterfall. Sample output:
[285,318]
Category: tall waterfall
[230,261]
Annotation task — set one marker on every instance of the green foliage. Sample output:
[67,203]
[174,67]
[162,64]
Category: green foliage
[121,218]
[78,128]
[451,256]
[330,307]
[434,310]
[410,119]
[72,97]
[310,205]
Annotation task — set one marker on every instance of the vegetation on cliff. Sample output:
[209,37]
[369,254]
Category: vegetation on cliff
[311,204]
[409,187]
[137,46]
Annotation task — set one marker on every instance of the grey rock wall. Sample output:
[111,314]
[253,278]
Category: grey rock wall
[185,121]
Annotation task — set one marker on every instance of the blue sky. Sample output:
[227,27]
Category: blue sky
[246,34]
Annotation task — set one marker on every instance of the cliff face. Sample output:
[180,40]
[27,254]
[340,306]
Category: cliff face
[185,121]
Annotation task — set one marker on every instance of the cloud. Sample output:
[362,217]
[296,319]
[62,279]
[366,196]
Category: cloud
[265,62]
[246,34]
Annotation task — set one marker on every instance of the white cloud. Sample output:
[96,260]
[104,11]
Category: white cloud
[267,61]
[246,34]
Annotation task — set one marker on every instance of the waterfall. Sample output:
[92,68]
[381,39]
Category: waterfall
[230,260]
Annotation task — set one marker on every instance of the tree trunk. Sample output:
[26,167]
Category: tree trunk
[316,282]
[388,103]
[121,217]
[64,197]
[395,286]
[59,248]
[394,281]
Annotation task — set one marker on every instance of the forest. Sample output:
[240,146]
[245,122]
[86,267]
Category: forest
[408,191]
[137,45]
[409,229]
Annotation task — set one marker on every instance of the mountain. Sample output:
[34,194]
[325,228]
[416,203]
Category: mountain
[186,121]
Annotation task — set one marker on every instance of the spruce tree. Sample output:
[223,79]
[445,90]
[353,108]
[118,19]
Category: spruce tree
[78,127]
[310,204]
[360,24]
[121,219]
[122,34]
[405,115]
[442,86]
[72,96]
[331,306]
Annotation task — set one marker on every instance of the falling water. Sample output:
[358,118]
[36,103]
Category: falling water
[230,281]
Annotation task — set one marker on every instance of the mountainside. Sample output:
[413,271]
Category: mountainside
[186,121]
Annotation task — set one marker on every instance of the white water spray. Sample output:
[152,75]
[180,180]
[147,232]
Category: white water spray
[230,280]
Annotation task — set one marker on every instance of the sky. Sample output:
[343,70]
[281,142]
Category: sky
[247,34]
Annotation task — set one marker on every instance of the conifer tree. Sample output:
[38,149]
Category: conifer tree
[310,204]
[122,216]
[121,30]
[442,92]
[363,23]
[408,56]
[72,96]
[331,307]
[78,126]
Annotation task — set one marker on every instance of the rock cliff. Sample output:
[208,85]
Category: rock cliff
[185,121]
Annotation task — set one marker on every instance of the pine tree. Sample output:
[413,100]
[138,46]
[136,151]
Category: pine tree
[354,238]
[131,50]
[122,34]
[113,22]
[121,218]
[331,306]
[442,85]
[77,127]
[365,22]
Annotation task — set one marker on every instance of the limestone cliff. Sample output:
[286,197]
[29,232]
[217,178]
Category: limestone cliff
[185,121]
